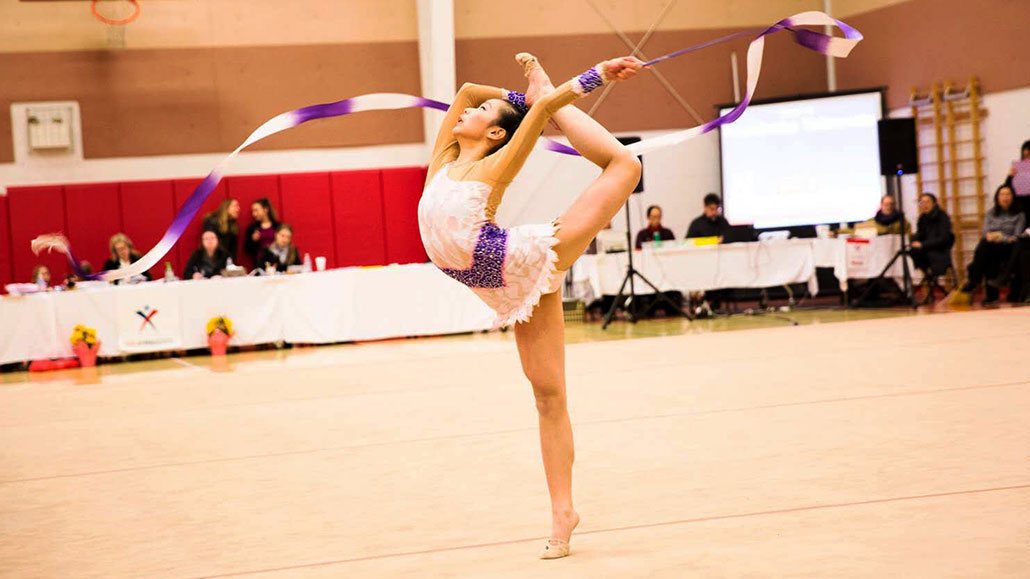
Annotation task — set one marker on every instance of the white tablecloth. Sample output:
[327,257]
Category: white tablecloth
[321,307]
[738,265]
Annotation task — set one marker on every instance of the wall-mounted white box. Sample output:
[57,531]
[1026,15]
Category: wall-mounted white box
[49,127]
[46,133]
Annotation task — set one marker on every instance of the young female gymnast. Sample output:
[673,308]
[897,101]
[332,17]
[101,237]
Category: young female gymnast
[483,143]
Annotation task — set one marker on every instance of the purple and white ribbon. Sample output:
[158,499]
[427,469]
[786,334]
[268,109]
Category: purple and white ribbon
[819,42]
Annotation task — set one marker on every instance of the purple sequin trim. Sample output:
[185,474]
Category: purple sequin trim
[590,80]
[517,100]
[487,269]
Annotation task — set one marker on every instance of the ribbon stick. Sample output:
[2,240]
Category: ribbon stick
[819,42]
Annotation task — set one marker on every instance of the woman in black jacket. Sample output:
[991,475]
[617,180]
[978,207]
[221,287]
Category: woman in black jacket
[282,253]
[931,245]
[208,260]
[224,222]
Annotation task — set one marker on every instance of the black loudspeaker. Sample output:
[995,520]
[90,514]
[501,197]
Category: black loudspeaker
[898,153]
[629,141]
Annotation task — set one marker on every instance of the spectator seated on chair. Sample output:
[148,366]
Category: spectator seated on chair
[261,232]
[282,253]
[932,242]
[1002,227]
[208,260]
[123,253]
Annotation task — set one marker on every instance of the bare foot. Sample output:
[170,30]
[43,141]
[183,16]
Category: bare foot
[563,523]
[539,83]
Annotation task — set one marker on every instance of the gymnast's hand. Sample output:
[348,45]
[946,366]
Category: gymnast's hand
[623,68]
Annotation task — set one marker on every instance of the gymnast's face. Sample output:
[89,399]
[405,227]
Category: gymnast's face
[480,123]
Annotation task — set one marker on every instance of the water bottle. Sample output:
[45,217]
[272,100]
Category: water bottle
[169,274]
[228,263]
[657,239]
[307,263]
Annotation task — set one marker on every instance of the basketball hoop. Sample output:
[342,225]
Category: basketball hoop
[117,21]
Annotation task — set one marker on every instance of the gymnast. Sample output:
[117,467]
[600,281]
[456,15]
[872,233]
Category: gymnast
[483,142]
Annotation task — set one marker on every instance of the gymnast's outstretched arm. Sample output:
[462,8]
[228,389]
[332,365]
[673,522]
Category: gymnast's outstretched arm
[469,96]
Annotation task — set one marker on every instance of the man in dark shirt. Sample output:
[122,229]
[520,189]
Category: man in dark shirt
[711,223]
[654,227]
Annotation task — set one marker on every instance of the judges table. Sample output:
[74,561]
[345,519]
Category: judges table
[320,307]
[760,264]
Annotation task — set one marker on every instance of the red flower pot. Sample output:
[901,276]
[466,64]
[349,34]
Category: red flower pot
[87,354]
[218,341]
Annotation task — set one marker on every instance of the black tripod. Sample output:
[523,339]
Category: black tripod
[903,254]
[631,272]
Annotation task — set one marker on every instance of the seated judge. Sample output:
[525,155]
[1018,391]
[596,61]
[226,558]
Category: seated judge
[123,253]
[888,218]
[282,253]
[711,223]
[208,260]
[654,230]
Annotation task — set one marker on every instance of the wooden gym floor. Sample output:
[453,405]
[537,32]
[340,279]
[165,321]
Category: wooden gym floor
[884,447]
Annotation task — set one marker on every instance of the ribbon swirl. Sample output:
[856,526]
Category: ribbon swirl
[816,41]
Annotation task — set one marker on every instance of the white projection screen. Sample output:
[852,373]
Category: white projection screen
[803,162]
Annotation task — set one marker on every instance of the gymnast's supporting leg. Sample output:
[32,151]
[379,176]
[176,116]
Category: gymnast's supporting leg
[541,341]
[541,344]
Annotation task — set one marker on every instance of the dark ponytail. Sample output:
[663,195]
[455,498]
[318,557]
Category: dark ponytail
[509,118]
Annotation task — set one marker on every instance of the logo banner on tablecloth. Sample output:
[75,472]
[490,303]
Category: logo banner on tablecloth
[859,254]
[148,318]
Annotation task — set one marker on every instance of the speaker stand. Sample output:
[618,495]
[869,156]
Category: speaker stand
[903,254]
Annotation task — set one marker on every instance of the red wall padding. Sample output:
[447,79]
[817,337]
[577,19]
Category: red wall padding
[402,188]
[32,211]
[190,239]
[93,216]
[6,276]
[247,190]
[358,218]
[147,208]
[308,208]
[353,218]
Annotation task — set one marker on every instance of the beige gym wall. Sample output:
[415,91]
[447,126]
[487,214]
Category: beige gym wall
[197,76]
